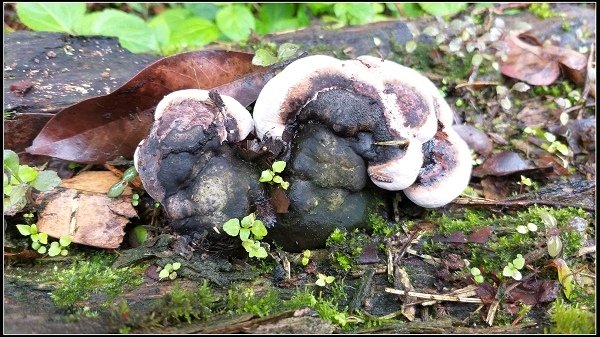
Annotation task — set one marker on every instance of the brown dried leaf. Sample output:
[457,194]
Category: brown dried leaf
[94,181]
[91,219]
[104,127]
[502,164]
[486,292]
[532,292]
[496,188]
[368,255]
[475,138]
[481,235]
[538,65]
[280,200]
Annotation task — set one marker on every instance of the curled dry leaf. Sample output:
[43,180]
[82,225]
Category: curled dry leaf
[501,164]
[537,64]
[104,127]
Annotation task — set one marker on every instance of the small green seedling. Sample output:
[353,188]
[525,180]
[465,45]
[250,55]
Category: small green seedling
[324,280]
[169,270]
[264,57]
[20,179]
[477,275]
[250,230]
[554,242]
[531,227]
[549,141]
[305,257]
[40,239]
[118,188]
[512,269]
[135,199]
[270,175]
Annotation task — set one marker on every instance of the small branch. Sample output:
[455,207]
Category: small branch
[449,298]
[519,203]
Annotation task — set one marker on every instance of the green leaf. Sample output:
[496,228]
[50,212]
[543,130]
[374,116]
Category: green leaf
[55,244]
[519,262]
[43,238]
[204,10]
[410,46]
[54,250]
[130,174]
[65,241]
[244,233]
[554,245]
[248,245]
[565,276]
[517,275]
[259,230]
[277,179]
[173,275]
[11,160]
[163,274]
[36,245]
[16,200]
[276,17]
[263,57]
[42,250]
[117,189]
[248,220]
[478,278]
[24,229]
[266,176]
[279,166]
[236,22]
[260,253]
[285,185]
[329,279]
[306,253]
[27,173]
[442,8]
[64,252]
[46,180]
[305,261]
[548,219]
[508,271]
[532,227]
[168,267]
[176,265]
[355,13]
[475,271]
[410,10]
[33,229]
[232,227]
[51,17]
[193,32]
[133,33]
[140,233]
[35,237]
[522,229]
[286,51]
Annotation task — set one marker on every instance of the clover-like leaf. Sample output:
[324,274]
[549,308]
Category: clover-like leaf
[248,245]
[475,271]
[232,227]
[54,249]
[260,252]
[46,180]
[329,279]
[509,270]
[163,274]
[519,262]
[244,233]
[33,229]
[266,176]
[27,174]
[42,238]
[278,166]
[42,250]
[259,230]
[517,275]
[286,51]
[263,57]
[554,245]
[64,252]
[36,245]
[173,275]
[168,267]
[277,179]
[478,278]
[248,220]
[34,237]
[176,265]
[11,161]
[285,185]
[320,282]
[532,227]
[24,229]
[522,229]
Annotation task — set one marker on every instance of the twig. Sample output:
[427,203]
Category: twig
[477,83]
[518,203]
[450,298]
[586,250]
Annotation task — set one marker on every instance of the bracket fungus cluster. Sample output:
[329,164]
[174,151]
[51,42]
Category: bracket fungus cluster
[388,114]
[401,122]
